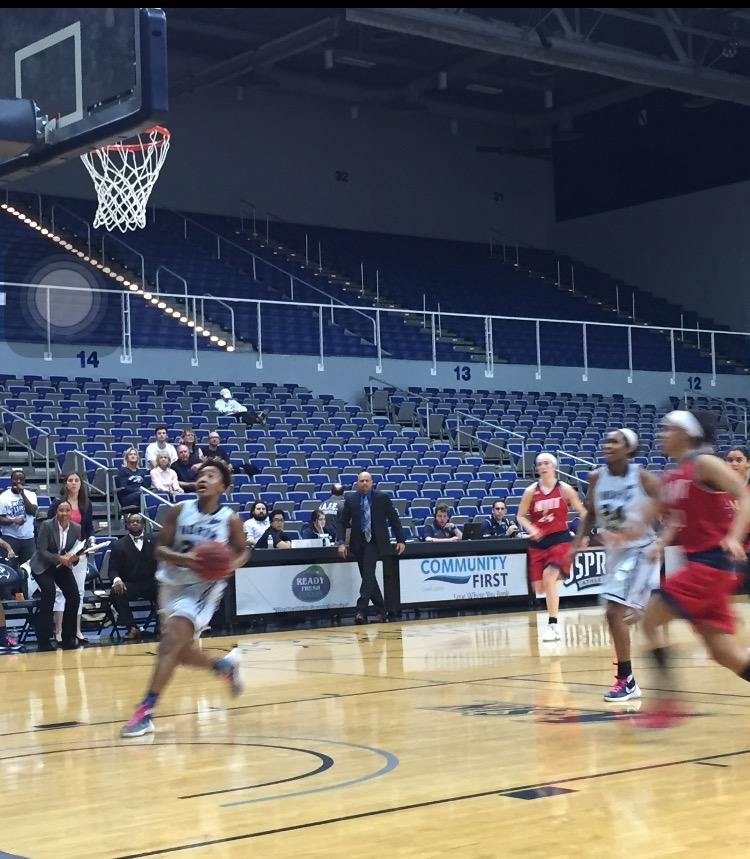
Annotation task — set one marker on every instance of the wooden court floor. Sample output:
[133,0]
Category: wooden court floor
[453,738]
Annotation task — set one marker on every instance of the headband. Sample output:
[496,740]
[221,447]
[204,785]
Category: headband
[630,437]
[685,421]
[549,455]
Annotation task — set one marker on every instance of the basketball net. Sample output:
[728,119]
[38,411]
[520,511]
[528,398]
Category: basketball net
[124,175]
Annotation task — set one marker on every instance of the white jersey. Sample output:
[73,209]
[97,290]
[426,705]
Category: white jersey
[12,505]
[194,527]
[620,502]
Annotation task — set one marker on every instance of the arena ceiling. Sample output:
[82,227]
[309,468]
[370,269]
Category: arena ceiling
[528,72]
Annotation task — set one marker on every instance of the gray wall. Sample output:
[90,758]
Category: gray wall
[693,250]
[348,377]
[407,173]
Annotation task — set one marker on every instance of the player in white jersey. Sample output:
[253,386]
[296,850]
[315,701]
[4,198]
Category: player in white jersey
[623,502]
[186,601]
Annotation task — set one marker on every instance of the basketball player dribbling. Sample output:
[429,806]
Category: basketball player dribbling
[543,513]
[187,601]
[623,501]
[707,515]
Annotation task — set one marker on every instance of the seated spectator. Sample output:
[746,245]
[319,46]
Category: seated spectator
[195,454]
[18,507]
[8,643]
[161,445]
[226,405]
[183,470]
[275,534]
[132,569]
[214,449]
[441,529]
[331,507]
[163,478]
[257,524]
[497,525]
[130,478]
[317,527]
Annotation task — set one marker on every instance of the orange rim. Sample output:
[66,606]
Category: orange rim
[134,147]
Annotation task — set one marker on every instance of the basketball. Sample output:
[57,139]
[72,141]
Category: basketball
[215,560]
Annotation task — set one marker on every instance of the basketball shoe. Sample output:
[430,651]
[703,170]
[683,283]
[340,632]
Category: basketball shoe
[229,668]
[139,723]
[624,689]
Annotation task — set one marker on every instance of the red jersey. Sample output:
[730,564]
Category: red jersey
[703,515]
[549,513]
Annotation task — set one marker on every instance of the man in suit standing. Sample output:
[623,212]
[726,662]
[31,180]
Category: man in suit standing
[368,513]
[132,569]
[52,564]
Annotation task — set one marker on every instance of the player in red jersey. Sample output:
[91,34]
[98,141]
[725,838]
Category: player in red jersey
[707,511]
[543,513]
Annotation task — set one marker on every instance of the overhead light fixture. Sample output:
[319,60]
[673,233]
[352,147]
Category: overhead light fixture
[484,88]
[357,62]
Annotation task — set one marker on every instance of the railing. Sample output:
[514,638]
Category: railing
[109,238]
[107,491]
[725,407]
[57,207]
[409,393]
[231,315]
[144,493]
[320,308]
[222,241]
[497,428]
[27,443]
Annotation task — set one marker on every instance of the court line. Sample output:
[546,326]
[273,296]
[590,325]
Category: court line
[426,804]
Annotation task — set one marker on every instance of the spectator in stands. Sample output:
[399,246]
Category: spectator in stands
[227,405]
[738,459]
[332,506]
[8,643]
[214,449]
[130,478]
[52,564]
[317,527]
[132,569]
[441,529]
[73,490]
[17,516]
[275,533]
[195,454]
[497,525]
[161,445]
[183,470]
[368,513]
[257,524]
[163,478]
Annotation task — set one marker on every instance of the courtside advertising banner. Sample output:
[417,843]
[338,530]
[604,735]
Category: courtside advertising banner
[462,577]
[587,574]
[299,587]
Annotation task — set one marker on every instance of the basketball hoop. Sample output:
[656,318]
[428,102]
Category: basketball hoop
[124,175]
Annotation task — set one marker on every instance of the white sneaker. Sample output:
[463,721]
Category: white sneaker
[551,633]
[233,674]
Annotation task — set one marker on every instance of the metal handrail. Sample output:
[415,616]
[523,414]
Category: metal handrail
[74,215]
[131,249]
[228,307]
[144,492]
[495,426]
[46,433]
[179,277]
[409,393]
[577,458]
[219,239]
[725,406]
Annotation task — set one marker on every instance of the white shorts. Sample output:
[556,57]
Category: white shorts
[630,577]
[197,602]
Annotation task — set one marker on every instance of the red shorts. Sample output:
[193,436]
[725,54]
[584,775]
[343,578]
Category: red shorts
[701,594]
[552,556]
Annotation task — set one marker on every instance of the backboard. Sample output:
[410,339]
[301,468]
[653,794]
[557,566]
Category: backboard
[99,74]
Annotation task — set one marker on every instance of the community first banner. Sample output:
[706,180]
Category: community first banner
[299,587]
[462,577]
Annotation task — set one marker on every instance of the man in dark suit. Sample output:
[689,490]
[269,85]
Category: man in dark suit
[132,569]
[368,513]
[52,564]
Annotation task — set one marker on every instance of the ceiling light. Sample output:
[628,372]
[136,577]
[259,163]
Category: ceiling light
[484,88]
[357,62]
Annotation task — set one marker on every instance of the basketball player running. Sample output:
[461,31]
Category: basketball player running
[623,500]
[187,602]
[543,513]
[708,511]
